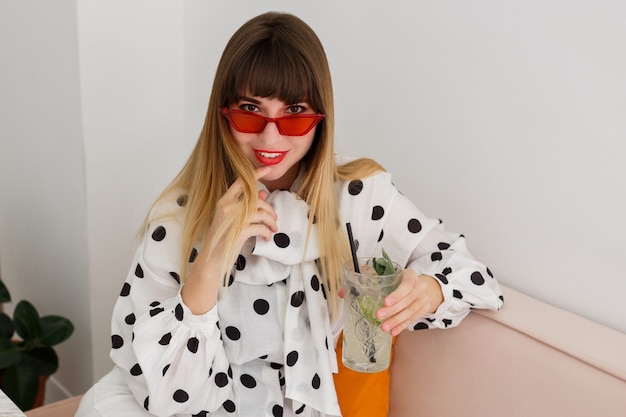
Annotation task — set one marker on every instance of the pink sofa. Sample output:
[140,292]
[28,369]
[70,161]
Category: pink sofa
[529,359]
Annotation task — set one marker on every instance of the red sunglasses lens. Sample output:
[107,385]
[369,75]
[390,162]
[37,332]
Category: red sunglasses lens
[296,125]
[247,122]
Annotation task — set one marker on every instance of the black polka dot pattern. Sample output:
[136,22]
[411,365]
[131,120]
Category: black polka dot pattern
[136,370]
[315,283]
[420,326]
[297,298]
[117,341]
[241,263]
[139,271]
[247,381]
[477,278]
[378,212]
[125,290]
[179,312]
[233,333]
[175,276]
[130,319]
[180,396]
[355,187]
[281,240]
[229,406]
[156,311]
[261,306]
[292,358]
[414,226]
[159,233]
[165,340]
[221,379]
[316,382]
[442,278]
[192,345]
[277,411]
[182,200]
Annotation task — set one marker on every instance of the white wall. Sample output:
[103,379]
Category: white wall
[505,119]
[43,222]
[131,82]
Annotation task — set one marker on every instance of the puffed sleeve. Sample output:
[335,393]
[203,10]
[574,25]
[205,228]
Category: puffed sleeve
[465,282]
[174,361]
[383,218]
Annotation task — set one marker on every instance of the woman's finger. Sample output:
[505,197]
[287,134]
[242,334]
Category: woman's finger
[235,190]
[266,219]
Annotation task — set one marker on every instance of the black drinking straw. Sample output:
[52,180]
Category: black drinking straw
[352,248]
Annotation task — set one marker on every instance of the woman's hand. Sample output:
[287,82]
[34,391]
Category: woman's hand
[202,285]
[415,297]
[263,221]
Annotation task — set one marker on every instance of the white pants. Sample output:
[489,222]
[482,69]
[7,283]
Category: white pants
[110,397]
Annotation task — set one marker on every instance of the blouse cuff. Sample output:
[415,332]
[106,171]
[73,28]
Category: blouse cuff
[198,322]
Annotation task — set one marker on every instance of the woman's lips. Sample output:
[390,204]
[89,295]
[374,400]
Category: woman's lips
[269,157]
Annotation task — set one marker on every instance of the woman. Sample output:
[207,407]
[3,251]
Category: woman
[231,304]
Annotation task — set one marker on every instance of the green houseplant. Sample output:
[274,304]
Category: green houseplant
[25,359]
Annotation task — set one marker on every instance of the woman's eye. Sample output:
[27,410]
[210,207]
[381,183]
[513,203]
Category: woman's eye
[296,109]
[248,107]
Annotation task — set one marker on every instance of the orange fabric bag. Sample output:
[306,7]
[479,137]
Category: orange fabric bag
[361,394]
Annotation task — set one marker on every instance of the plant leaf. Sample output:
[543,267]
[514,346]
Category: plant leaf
[6,326]
[5,296]
[43,360]
[9,353]
[54,330]
[21,383]
[26,320]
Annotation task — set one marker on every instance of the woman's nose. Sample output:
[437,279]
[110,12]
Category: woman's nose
[270,134]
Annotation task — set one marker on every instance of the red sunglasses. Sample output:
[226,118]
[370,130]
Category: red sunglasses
[291,125]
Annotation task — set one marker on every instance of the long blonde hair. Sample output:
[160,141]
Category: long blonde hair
[273,55]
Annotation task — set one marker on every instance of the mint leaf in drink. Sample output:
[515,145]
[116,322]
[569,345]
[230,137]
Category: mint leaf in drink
[368,308]
[384,265]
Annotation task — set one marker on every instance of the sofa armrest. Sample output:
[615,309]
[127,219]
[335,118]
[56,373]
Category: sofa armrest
[530,358]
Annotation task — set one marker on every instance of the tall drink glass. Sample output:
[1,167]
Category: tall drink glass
[366,347]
